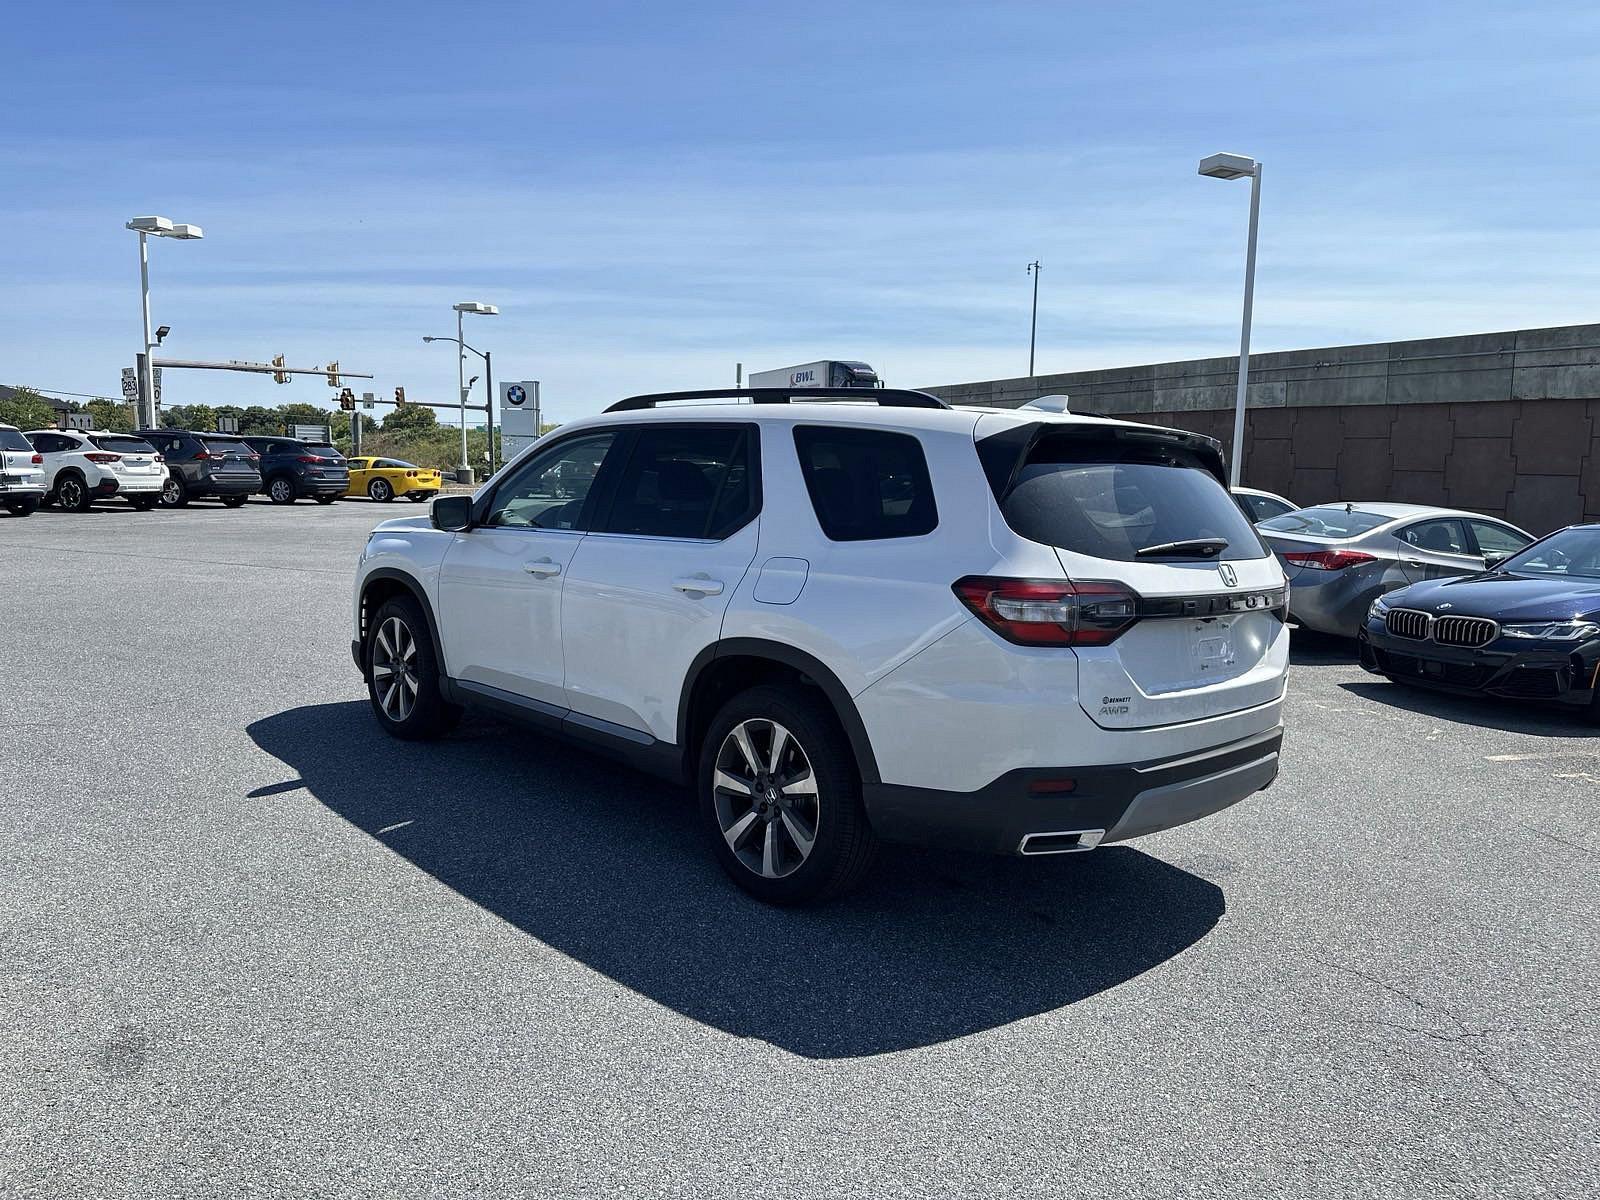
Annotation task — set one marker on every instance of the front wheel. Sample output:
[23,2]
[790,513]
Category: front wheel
[22,508]
[403,674]
[780,797]
[381,490]
[280,491]
[173,493]
[72,494]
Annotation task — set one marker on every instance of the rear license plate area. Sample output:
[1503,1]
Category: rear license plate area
[1211,646]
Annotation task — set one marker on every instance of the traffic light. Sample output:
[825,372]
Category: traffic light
[399,397]
[333,373]
[279,376]
[347,400]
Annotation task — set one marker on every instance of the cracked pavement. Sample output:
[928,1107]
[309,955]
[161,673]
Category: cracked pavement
[248,946]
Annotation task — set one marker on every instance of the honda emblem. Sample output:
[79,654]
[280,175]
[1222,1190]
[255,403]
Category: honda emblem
[1229,578]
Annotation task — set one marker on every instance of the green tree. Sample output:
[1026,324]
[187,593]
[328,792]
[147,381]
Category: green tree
[110,416]
[408,418]
[201,418]
[258,421]
[27,410]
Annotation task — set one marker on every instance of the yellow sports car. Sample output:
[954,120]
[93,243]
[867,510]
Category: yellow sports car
[385,478]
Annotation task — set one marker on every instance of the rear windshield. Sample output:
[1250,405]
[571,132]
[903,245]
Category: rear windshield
[117,444]
[11,439]
[228,446]
[1112,502]
[322,450]
[1328,520]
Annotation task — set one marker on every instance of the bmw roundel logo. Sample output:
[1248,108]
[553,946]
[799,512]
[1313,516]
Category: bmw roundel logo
[1229,577]
[516,394]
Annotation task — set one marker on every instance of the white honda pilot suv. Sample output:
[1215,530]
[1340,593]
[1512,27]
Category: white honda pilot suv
[1022,632]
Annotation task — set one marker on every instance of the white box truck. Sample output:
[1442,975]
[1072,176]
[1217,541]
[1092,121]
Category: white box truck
[830,373]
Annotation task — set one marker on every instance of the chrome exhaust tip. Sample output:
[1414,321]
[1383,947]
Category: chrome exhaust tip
[1060,841]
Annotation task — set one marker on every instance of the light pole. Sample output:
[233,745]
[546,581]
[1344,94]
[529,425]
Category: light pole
[1238,166]
[1033,328]
[147,227]
[483,310]
[488,398]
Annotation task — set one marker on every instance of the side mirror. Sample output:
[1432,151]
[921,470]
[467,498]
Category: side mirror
[452,513]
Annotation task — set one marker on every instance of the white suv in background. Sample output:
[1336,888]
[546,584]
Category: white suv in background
[21,473]
[1014,631]
[82,466]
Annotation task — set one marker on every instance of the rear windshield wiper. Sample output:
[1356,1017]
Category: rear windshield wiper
[1196,547]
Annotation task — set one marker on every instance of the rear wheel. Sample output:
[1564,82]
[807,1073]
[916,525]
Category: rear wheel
[173,493]
[381,490]
[781,800]
[142,503]
[403,674]
[326,499]
[280,491]
[233,501]
[22,508]
[72,494]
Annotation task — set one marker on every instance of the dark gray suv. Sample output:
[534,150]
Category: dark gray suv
[291,469]
[204,464]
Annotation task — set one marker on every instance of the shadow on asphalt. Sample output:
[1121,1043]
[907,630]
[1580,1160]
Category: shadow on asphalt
[1308,648]
[1487,712]
[608,866]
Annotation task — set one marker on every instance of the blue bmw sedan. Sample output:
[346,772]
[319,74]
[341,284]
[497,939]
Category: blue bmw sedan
[1529,628]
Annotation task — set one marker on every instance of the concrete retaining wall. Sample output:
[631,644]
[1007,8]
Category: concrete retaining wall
[1499,423]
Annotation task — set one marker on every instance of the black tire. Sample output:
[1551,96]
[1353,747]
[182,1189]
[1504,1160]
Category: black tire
[281,490]
[419,497]
[233,501]
[173,493]
[326,499]
[142,503]
[23,508]
[843,843]
[397,622]
[381,490]
[72,494]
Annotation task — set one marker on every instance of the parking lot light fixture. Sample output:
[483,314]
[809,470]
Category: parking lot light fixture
[480,309]
[146,228]
[1239,166]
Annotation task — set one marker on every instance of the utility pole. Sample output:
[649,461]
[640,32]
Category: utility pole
[1033,327]
[488,401]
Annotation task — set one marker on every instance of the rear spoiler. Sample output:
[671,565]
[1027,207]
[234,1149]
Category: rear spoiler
[1003,454]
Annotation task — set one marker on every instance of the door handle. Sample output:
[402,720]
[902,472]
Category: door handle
[543,568]
[702,585]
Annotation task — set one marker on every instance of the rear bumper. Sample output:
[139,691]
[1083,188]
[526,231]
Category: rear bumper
[1106,804]
[142,485]
[21,491]
[1536,673]
[228,485]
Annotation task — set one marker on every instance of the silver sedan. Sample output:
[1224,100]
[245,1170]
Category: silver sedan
[1340,557]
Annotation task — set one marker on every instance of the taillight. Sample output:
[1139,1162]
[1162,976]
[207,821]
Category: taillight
[157,458]
[37,460]
[411,474]
[99,457]
[1327,560]
[207,456]
[1040,612]
[309,458]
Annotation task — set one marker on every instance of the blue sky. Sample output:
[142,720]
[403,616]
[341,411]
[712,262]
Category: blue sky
[651,193]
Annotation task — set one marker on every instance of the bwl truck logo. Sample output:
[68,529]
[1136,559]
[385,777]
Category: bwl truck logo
[802,377]
[1229,578]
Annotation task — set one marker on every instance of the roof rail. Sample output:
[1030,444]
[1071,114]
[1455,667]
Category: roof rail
[885,397]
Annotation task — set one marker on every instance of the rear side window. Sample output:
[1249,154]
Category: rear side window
[1327,520]
[11,439]
[1124,500]
[690,482]
[866,484]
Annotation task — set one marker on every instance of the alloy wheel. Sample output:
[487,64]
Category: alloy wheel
[171,492]
[766,800]
[395,678]
[70,493]
[282,490]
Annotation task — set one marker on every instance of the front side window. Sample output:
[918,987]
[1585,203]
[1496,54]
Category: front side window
[551,490]
[1497,539]
[1439,537]
[684,481]
[866,484]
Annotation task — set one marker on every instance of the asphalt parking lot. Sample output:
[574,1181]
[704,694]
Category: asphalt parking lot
[251,946]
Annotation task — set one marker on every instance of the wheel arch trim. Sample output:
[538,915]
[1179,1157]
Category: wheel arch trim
[837,694]
[417,593]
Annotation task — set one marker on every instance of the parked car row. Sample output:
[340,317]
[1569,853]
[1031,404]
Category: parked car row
[75,468]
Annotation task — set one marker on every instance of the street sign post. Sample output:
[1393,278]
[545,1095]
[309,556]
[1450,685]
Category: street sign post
[130,383]
[309,433]
[227,424]
[519,416]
